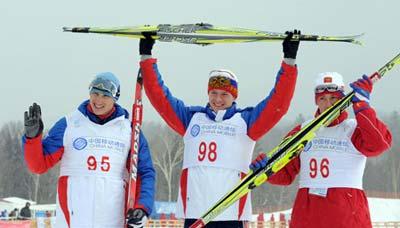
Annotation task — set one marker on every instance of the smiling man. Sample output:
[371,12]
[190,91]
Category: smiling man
[92,144]
[331,167]
[219,138]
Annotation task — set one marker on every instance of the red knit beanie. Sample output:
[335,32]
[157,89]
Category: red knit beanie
[223,80]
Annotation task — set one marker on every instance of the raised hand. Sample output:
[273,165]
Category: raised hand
[362,88]
[146,44]
[33,124]
[290,47]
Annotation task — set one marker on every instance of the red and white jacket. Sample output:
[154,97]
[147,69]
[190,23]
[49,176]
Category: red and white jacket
[331,169]
[218,146]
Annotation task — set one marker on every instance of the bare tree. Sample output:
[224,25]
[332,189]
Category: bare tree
[393,156]
[167,154]
[15,178]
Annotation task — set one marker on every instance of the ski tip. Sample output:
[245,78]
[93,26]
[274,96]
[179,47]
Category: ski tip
[358,42]
[76,29]
[67,29]
[198,224]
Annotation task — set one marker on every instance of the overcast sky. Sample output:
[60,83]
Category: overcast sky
[40,63]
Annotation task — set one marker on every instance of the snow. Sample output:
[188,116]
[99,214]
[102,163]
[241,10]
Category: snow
[10,203]
[384,210]
[381,210]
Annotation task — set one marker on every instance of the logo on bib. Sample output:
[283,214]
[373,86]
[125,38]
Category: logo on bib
[195,130]
[308,146]
[80,143]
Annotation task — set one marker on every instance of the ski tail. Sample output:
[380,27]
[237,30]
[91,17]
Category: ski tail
[131,32]
[286,151]
[137,116]
[198,224]
[349,39]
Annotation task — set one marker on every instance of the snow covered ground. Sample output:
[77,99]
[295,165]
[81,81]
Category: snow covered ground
[382,210]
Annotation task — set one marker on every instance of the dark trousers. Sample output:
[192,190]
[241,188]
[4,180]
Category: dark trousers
[218,224]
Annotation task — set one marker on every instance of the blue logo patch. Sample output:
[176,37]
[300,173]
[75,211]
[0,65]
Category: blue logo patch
[80,143]
[195,130]
[308,146]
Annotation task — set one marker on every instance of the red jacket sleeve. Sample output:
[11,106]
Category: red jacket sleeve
[41,155]
[36,160]
[371,136]
[171,109]
[268,112]
[287,174]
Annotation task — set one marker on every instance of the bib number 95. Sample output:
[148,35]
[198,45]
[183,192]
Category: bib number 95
[104,164]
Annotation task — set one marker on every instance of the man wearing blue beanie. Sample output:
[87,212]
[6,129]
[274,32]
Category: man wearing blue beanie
[92,145]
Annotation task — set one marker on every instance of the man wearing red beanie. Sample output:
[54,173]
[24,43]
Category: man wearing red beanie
[219,138]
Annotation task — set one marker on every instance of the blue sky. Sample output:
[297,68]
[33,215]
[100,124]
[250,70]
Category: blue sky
[42,64]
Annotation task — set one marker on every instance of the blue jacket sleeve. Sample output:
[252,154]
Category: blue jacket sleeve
[146,177]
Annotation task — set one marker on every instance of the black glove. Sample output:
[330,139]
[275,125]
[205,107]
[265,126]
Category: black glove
[290,47]
[146,44]
[136,218]
[33,121]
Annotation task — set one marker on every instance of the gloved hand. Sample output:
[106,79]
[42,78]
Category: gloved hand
[362,88]
[146,44]
[136,218]
[290,47]
[33,123]
[260,161]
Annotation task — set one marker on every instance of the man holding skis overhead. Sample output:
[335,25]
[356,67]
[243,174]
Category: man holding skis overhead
[219,138]
[331,166]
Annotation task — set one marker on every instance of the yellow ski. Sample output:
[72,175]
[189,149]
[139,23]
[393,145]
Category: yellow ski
[205,34]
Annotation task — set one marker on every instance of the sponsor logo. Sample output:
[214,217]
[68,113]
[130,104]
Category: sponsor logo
[308,146]
[195,130]
[80,143]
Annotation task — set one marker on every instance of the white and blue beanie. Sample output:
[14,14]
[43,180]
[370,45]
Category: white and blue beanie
[105,83]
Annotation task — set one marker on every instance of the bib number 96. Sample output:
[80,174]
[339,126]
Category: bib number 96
[323,168]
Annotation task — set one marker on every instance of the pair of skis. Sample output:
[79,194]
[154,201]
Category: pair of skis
[205,34]
[288,149]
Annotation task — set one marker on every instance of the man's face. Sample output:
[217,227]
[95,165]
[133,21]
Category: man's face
[220,99]
[101,104]
[325,101]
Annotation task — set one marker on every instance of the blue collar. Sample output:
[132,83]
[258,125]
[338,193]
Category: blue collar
[228,114]
[119,111]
